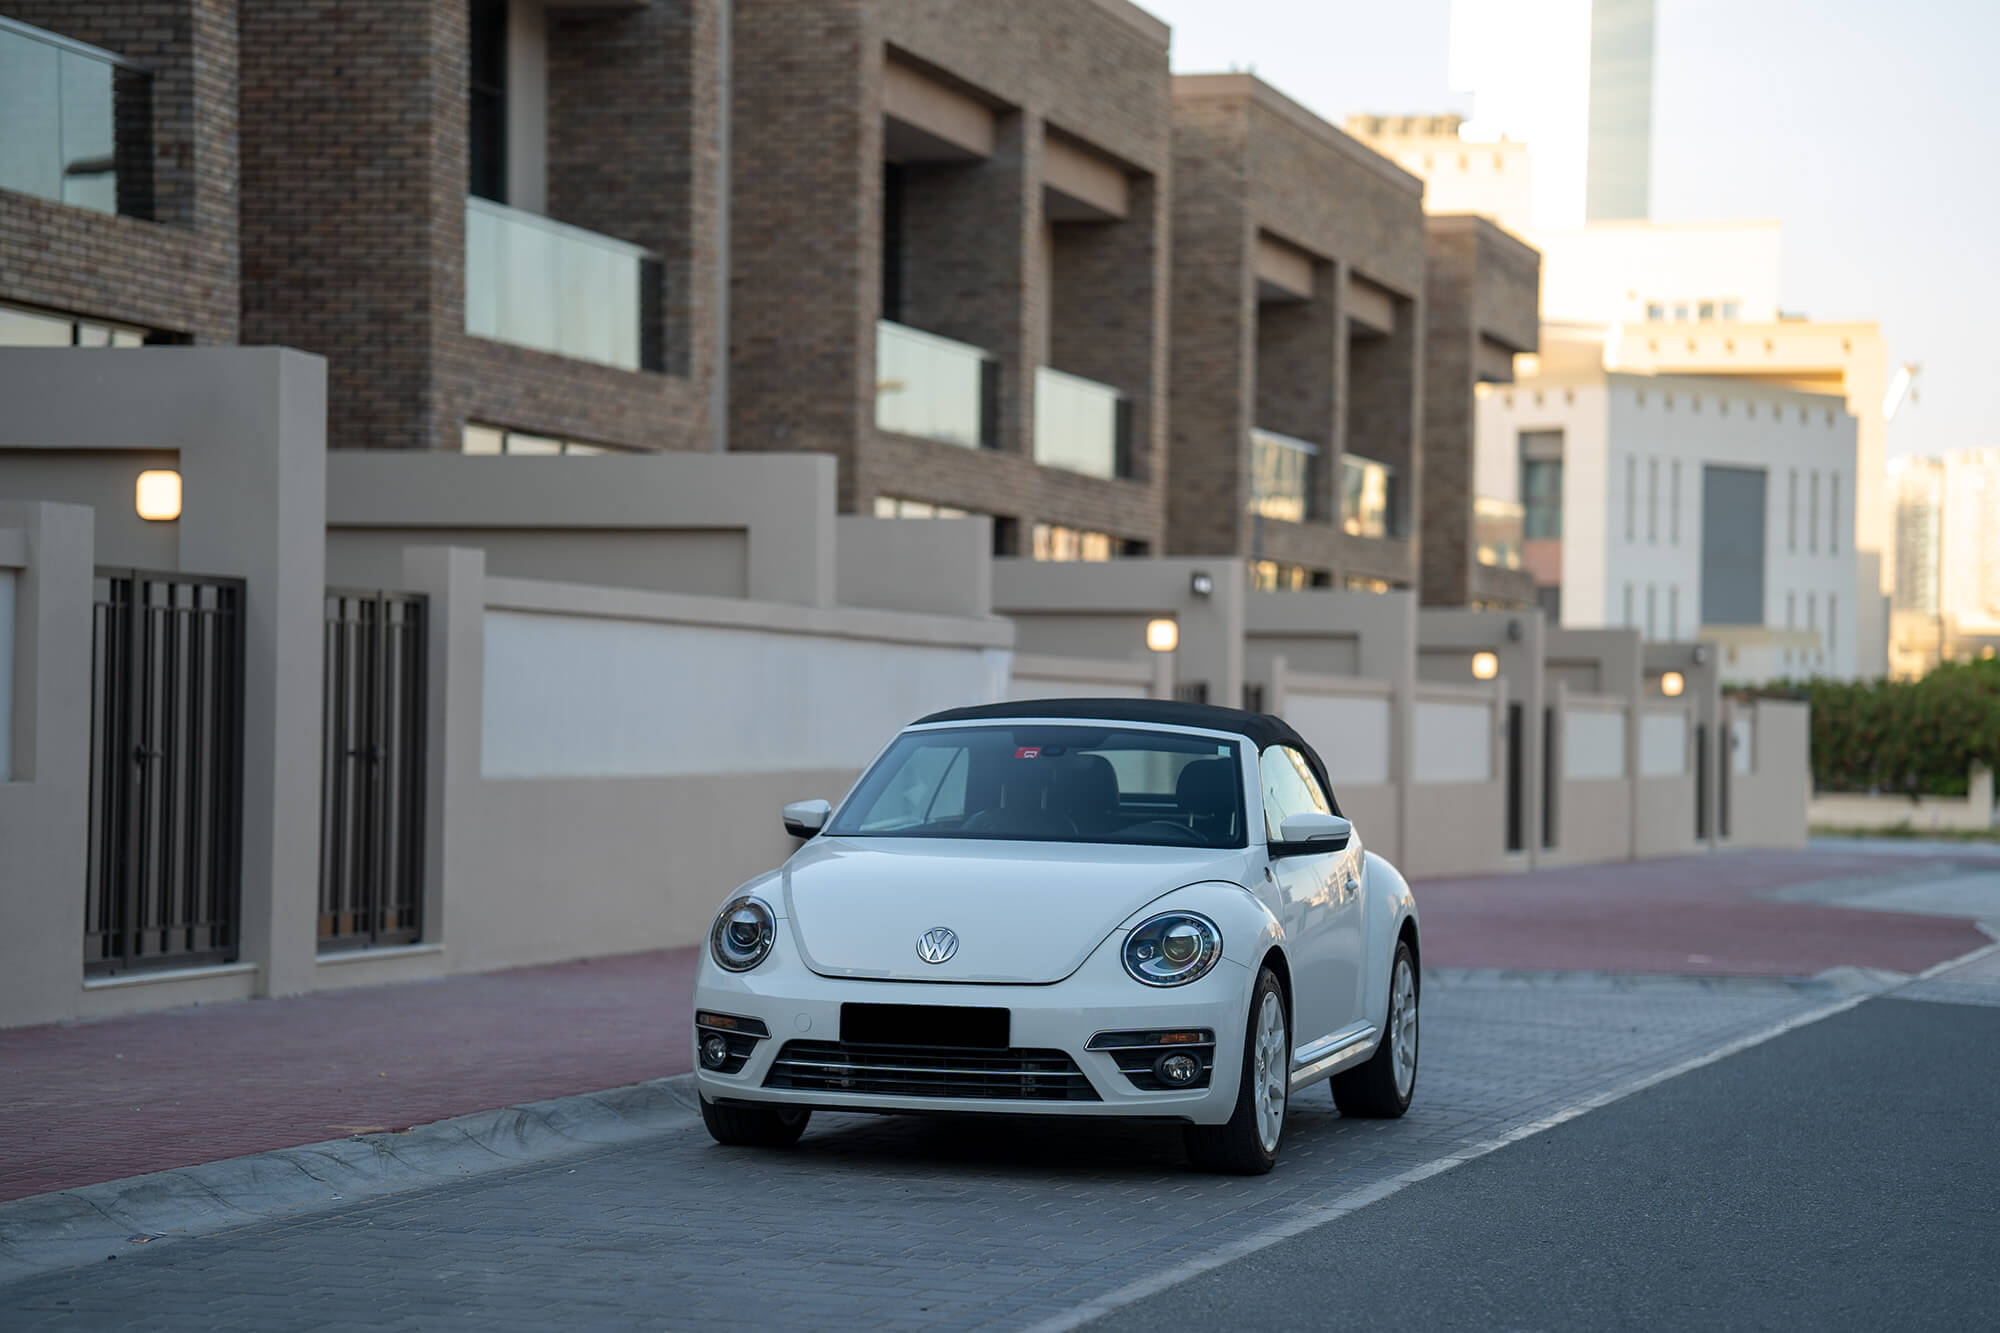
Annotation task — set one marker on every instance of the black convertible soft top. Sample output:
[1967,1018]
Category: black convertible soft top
[1263,729]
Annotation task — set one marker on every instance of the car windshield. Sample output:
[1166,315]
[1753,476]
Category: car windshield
[1051,784]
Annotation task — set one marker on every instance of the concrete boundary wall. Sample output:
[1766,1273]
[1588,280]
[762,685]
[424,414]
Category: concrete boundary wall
[757,526]
[1358,728]
[1768,802]
[1456,826]
[1888,810]
[1040,676]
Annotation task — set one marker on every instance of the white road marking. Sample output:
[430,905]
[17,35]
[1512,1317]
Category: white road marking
[1355,1200]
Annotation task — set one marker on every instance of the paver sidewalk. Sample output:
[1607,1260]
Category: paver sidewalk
[87,1102]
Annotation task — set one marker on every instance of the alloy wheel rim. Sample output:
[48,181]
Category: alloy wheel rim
[1403,1028]
[1268,1070]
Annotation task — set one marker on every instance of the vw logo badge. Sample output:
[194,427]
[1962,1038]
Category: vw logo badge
[937,944]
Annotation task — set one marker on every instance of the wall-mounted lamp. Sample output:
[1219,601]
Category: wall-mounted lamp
[158,496]
[1672,684]
[1700,653]
[1163,636]
[1200,583]
[1485,666]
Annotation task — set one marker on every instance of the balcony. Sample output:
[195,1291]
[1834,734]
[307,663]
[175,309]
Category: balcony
[1497,530]
[1081,425]
[932,387]
[1367,498]
[1281,469]
[544,284]
[75,123]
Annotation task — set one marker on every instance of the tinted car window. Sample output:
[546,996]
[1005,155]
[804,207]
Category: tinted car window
[1289,788]
[1052,784]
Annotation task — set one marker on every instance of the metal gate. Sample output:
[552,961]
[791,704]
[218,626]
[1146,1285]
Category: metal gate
[372,770]
[164,870]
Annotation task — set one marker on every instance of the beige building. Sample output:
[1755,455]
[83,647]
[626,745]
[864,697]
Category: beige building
[1494,178]
[1946,605]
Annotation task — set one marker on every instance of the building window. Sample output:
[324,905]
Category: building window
[1629,623]
[78,123]
[1832,620]
[1706,311]
[1053,541]
[1812,610]
[1541,484]
[1270,576]
[1833,513]
[1652,623]
[478,439]
[1791,610]
[1673,612]
[1792,511]
[1730,310]
[1812,520]
[1674,505]
[1631,500]
[1680,313]
[889,506]
[1652,501]
[1655,312]
[486,124]
[21,327]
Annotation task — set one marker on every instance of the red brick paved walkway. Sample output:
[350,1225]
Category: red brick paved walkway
[87,1102]
[84,1102]
[1689,914]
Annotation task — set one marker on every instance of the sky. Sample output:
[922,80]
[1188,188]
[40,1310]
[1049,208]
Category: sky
[1858,123]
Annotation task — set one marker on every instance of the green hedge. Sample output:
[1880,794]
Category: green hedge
[1905,736]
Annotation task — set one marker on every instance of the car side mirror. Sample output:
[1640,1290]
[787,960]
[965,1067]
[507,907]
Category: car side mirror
[1312,832]
[805,818]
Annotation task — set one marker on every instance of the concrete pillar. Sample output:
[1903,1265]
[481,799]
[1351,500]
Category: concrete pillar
[45,799]
[454,579]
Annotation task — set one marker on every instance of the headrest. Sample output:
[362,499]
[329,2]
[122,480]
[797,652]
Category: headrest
[1207,787]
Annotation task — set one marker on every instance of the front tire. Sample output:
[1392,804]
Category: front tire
[1382,1088]
[754,1126]
[1248,1144]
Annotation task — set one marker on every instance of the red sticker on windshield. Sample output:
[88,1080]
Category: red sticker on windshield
[1028,752]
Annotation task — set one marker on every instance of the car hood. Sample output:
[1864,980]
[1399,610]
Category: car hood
[1024,912]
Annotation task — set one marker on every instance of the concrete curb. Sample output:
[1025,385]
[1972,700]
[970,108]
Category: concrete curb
[68,1228]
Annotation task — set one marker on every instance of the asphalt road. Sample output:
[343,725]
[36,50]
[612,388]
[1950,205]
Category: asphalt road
[1844,1175]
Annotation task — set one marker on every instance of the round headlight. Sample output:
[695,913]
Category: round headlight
[1172,949]
[741,936]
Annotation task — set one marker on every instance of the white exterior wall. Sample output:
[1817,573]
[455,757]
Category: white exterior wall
[1650,423]
[1610,272]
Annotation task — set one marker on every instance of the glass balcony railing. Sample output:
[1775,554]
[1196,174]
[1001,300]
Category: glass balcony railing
[1281,469]
[1367,497]
[1497,528]
[544,284]
[75,123]
[1081,425]
[932,387]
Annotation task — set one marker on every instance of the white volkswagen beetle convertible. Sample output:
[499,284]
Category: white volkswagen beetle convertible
[1080,907]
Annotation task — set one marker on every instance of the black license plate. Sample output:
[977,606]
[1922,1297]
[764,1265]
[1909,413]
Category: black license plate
[923,1025]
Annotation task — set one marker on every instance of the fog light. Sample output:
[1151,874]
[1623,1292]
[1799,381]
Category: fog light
[1177,1070]
[714,1051]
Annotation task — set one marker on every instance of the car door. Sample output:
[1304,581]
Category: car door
[1318,904]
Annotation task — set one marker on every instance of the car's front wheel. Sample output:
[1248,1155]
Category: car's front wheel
[754,1126]
[1382,1088]
[1248,1144]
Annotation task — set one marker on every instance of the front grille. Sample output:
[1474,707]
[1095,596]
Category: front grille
[930,1071]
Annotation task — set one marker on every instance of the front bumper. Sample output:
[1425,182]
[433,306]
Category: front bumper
[797,1004]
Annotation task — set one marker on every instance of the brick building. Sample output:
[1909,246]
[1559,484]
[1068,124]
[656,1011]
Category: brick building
[118,193]
[949,251]
[495,219]
[944,224]
[1482,286]
[1298,302]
